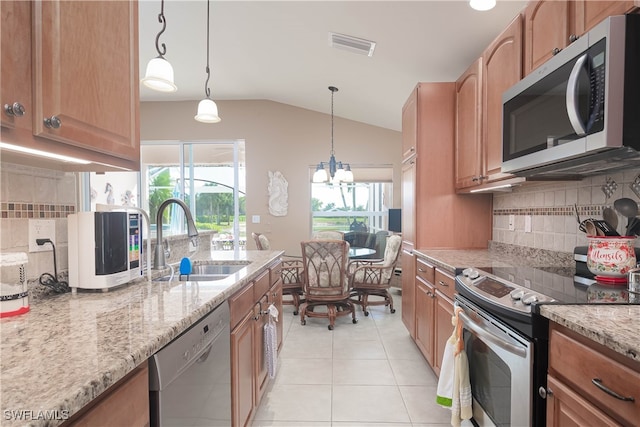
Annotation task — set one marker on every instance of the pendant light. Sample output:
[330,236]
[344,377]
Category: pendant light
[207,109]
[337,170]
[159,75]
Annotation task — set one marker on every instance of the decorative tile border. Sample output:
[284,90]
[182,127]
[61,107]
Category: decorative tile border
[34,210]
[585,210]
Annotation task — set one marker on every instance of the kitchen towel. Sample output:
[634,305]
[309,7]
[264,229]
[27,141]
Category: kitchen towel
[271,341]
[444,392]
[461,406]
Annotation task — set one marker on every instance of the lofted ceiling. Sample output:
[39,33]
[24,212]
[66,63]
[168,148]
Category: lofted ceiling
[279,50]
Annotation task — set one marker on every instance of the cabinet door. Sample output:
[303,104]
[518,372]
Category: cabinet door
[16,64]
[443,328]
[410,125]
[468,127]
[276,299]
[502,62]
[408,288]
[261,372]
[589,12]
[547,28]
[566,408]
[86,74]
[425,312]
[242,371]
[408,188]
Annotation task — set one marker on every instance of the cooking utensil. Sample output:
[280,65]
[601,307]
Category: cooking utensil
[611,217]
[626,207]
[590,228]
[597,227]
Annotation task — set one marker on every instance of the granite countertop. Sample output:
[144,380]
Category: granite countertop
[69,348]
[615,326]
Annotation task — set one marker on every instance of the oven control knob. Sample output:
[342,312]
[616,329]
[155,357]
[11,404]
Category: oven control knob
[517,294]
[529,299]
[471,273]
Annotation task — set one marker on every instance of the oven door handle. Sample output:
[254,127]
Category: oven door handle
[489,336]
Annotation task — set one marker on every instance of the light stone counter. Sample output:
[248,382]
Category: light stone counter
[70,348]
[615,326]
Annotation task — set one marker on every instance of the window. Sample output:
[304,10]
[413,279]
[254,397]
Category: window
[357,206]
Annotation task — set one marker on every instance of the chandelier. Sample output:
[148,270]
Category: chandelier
[338,171]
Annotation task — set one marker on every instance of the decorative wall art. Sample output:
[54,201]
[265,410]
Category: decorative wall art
[278,197]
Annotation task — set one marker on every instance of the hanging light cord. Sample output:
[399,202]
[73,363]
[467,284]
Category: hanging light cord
[332,89]
[207,91]
[163,21]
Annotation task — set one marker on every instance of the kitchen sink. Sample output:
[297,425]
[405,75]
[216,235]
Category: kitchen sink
[204,272]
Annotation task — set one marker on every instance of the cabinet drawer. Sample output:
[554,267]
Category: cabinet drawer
[261,285]
[275,272]
[577,364]
[425,271]
[445,283]
[240,304]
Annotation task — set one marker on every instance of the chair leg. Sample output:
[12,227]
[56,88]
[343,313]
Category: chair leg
[331,311]
[365,302]
[303,312]
[296,303]
[390,299]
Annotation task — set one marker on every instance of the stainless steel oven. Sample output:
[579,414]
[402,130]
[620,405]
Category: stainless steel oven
[500,368]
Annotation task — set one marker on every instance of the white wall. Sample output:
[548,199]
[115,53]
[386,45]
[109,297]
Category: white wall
[283,138]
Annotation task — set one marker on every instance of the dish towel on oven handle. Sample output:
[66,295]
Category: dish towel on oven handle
[271,341]
[454,388]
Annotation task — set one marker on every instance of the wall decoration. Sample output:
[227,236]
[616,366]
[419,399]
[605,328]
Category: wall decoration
[278,197]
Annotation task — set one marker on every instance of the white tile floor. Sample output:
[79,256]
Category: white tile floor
[365,374]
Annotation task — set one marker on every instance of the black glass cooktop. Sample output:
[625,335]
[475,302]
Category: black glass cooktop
[561,284]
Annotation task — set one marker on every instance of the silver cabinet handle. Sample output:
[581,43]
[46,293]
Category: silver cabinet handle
[441,283]
[598,383]
[14,110]
[572,97]
[52,122]
[572,38]
[555,51]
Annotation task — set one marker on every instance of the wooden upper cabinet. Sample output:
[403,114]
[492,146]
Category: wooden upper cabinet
[74,63]
[589,13]
[468,155]
[86,74]
[410,126]
[547,30]
[16,66]
[502,68]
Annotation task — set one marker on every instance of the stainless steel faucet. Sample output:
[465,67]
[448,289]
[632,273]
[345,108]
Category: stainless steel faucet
[159,261]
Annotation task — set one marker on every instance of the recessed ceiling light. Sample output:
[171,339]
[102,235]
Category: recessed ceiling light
[352,44]
[482,5]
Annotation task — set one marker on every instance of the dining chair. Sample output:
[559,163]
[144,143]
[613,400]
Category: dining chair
[328,234]
[373,277]
[291,273]
[326,282]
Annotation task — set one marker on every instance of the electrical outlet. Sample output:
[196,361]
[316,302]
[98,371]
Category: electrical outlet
[255,219]
[527,224]
[512,222]
[41,229]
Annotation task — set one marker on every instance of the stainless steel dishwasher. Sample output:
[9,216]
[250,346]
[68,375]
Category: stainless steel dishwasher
[190,378]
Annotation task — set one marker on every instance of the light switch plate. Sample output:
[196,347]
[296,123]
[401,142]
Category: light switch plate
[512,222]
[41,229]
[255,219]
[527,224]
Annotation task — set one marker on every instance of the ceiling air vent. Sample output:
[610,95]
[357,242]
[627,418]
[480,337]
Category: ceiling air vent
[352,44]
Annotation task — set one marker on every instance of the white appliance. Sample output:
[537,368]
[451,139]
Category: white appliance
[105,249]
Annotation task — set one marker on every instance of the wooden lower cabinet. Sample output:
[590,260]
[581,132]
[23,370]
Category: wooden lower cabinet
[249,373]
[408,263]
[124,404]
[576,366]
[425,316]
[434,290]
[242,384]
[567,408]
[443,328]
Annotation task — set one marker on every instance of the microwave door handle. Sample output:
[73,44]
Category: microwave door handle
[572,97]
[489,336]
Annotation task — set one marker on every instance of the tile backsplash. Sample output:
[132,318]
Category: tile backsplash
[551,207]
[35,193]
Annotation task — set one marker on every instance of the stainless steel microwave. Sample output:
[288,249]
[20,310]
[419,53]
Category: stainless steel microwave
[579,113]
